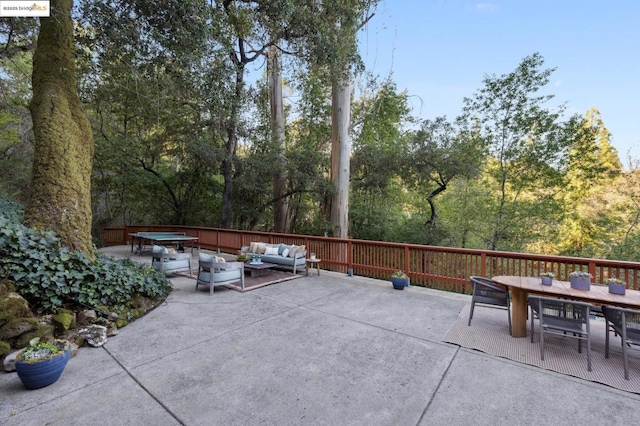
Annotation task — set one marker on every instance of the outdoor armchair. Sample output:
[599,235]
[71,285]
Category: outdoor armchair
[489,293]
[213,273]
[626,324]
[168,262]
[562,317]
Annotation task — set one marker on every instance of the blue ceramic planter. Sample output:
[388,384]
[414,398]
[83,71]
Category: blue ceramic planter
[399,283]
[44,373]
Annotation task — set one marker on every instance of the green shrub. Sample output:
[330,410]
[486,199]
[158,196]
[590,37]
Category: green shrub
[49,275]
[10,209]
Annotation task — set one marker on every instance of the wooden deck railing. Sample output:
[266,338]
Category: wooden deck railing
[429,266]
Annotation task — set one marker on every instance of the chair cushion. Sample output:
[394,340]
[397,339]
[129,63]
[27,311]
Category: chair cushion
[219,277]
[172,265]
[204,258]
[159,249]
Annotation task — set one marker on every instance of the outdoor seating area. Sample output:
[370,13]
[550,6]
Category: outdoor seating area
[286,255]
[568,314]
[322,349]
[563,317]
[215,269]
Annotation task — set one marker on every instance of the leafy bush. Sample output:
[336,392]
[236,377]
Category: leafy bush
[49,276]
[11,210]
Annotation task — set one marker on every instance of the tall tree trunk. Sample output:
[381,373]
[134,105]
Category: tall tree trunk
[63,153]
[232,144]
[280,207]
[340,151]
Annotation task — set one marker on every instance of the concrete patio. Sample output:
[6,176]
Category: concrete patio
[327,349]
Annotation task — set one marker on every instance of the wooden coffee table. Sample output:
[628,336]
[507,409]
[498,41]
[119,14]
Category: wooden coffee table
[258,269]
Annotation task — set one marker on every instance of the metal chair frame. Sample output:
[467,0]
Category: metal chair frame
[490,294]
[626,324]
[562,317]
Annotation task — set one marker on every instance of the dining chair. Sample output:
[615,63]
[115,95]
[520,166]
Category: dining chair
[626,324]
[490,294]
[562,317]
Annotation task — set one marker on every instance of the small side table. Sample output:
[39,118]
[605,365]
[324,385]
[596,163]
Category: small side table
[311,262]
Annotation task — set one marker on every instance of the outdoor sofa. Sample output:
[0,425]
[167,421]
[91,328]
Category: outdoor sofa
[285,255]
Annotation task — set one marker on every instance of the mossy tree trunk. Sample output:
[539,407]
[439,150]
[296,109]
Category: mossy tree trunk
[61,184]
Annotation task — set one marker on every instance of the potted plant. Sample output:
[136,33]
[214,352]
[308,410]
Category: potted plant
[41,363]
[616,285]
[547,278]
[580,280]
[242,257]
[400,280]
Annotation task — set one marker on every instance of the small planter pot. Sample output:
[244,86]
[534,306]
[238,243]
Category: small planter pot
[580,283]
[617,288]
[399,283]
[36,375]
[546,280]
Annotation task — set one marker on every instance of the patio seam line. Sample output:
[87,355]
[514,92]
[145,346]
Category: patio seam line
[298,304]
[47,401]
[439,342]
[148,392]
[207,339]
[435,392]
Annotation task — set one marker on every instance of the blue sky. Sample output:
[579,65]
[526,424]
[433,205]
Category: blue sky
[439,51]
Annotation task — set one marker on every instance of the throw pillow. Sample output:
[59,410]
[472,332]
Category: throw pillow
[220,259]
[271,251]
[252,247]
[297,250]
[260,248]
[282,247]
[285,252]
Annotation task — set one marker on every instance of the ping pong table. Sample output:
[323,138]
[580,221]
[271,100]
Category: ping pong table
[161,238]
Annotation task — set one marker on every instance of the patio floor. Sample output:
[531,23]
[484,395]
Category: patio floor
[327,349]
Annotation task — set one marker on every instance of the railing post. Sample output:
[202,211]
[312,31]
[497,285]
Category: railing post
[483,265]
[406,259]
[592,270]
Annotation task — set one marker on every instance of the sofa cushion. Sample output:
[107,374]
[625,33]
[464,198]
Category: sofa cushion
[279,260]
[285,253]
[271,250]
[260,248]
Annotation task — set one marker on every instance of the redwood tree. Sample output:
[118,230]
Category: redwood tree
[60,197]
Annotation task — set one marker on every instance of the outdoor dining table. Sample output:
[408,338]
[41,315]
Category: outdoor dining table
[521,286]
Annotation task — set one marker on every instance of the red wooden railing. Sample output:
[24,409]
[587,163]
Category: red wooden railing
[430,266]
